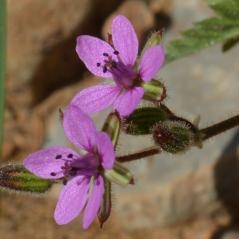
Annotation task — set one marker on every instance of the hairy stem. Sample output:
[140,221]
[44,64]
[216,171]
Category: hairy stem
[141,154]
[219,127]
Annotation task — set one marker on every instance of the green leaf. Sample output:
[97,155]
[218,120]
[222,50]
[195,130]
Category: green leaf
[226,8]
[220,29]
[204,34]
[2,65]
[17,178]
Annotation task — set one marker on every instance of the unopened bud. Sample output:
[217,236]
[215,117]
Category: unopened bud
[143,119]
[17,178]
[112,127]
[154,39]
[174,136]
[154,91]
[119,175]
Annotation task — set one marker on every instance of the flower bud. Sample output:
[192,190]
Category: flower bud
[112,127]
[143,119]
[105,208]
[16,177]
[154,39]
[119,175]
[154,91]
[175,135]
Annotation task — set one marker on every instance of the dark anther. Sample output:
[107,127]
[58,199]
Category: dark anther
[59,156]
[104,69]
[116,52]
[70,156]
[53,174]
[98,64]
[64,181]
[105,54]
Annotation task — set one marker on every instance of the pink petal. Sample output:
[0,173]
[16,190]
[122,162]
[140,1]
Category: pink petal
[79,128]
[105,149]
[151,62]
[47,163]
[94,202]
[96,98]
[90,50]
[127,102]
[72,200]
[125,39]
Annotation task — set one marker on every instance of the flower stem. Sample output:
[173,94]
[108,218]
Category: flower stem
[2,66]
[219,128]
[141,154]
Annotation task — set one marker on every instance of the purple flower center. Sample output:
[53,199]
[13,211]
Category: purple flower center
[124,75]
[74,165]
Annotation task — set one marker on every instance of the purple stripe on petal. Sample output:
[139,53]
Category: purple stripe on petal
[79,128]
[90,50]
[72,200]
[127,102]
[94,202]
[47,163]
[125,39]
[105,149]
[96,98]
[151,62]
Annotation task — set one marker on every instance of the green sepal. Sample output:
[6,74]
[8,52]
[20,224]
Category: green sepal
[154,39]
[154,91]
[143,119]
[119,175]
[17,178]
[112,127]
[106,204]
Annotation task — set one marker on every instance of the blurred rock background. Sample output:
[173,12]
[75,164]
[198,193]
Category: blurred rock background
[192,195]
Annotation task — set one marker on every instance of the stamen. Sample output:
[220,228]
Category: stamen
[70,156]
[98,64]
[105,54]
[104,69]
[53,174]
[116,52]
[64,181]
[59,156]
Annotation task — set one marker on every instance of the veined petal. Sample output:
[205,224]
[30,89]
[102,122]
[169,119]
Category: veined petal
[79,128]
[151,62]
[125,39]
[96,98]
[72,200]
[105,149]
[94,202]
[90,50]
[47,163]
[127,102]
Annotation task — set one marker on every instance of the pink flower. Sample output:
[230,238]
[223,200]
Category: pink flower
[84,184]
[117,61]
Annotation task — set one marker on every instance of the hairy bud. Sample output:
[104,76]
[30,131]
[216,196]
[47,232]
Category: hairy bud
[17,178]
[174,136]
[143,119]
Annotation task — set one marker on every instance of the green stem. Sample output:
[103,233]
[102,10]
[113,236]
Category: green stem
[2,66]
[219,128]
[141,154]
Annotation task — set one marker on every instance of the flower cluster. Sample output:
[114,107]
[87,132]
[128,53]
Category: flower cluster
[83,176]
